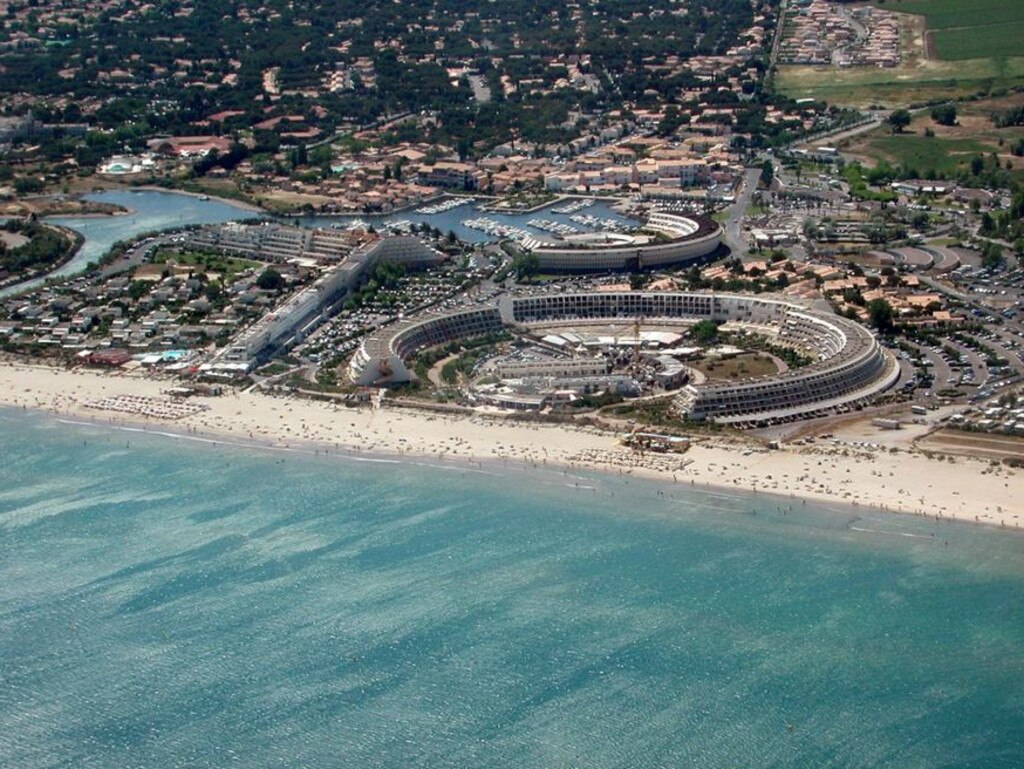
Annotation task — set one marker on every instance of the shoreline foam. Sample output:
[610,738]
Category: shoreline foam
[902,481]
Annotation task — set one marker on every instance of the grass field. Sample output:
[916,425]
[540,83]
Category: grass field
[748,364]
[951,147]
[920,83]
[928,154]
[976,42]
[227,266]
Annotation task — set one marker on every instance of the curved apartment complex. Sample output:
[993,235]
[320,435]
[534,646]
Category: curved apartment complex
[380,359]
[849,365]
[665,239]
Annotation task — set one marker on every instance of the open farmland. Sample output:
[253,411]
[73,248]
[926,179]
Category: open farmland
[949,49]
[926,155]
[975,42]
[949,14]
[967,29]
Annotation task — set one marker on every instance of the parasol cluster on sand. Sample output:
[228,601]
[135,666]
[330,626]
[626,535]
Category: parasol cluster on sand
[144,406]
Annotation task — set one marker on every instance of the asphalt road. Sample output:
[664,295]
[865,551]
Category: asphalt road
[137,254]
[733,235]
[973,302]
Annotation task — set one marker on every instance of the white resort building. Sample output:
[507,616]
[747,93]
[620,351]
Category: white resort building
[665,239]
[271,242]
[305,310]
[849,365]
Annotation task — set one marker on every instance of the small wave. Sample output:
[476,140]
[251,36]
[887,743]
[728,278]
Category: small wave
[890,533]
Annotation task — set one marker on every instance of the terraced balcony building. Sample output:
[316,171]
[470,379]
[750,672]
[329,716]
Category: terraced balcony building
[666,239]
[849,366]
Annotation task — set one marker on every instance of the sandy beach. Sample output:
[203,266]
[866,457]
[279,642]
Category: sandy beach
[899,480]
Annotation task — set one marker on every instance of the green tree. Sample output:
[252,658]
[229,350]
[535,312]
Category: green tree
[992,256]
[24,185]
[705,331]
[767,173]
[214,290]
[270,280]
[138,289]
[318,156]
[988,224]
[944,114]
[898,120]
[881,315]
[526,265]
[853,296]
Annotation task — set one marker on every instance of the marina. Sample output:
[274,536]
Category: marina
[496,229]
[444,206]
[607,224]
[351,224]
[573,206]
[548,225]
[153,211]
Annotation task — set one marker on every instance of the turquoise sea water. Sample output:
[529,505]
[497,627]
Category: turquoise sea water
[171,603]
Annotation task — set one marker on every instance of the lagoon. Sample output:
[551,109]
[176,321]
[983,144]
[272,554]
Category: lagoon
[149,211]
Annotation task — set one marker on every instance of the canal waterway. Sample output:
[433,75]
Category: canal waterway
[156,211]
[151,211]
